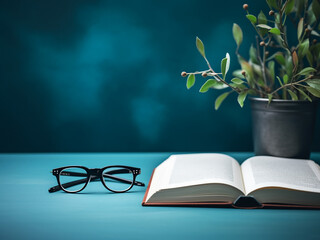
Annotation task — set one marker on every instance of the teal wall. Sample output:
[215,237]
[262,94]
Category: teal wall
[105,76]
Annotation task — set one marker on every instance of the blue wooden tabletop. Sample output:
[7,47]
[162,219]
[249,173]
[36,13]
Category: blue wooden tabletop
[28,211]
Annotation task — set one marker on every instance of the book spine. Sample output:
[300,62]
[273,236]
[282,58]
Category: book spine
[147,191]
[247,202]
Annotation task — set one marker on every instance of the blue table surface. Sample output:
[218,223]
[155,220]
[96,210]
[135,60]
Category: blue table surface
[28,211]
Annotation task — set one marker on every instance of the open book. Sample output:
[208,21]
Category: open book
[195,179]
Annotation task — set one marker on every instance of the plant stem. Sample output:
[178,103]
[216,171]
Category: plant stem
[262,61]
[291,84]
[218,78]
[284,6]
[197,72]
[282,30]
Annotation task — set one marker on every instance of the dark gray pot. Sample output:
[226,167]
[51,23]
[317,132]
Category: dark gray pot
[283,128]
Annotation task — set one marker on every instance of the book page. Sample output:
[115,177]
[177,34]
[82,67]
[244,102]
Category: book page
[161,175]
[266,171]
[196,169]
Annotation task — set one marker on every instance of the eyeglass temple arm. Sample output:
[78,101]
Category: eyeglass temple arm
[76,182]
[124,180]
[107,174]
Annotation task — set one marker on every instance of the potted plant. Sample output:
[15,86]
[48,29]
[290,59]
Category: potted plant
[282,76]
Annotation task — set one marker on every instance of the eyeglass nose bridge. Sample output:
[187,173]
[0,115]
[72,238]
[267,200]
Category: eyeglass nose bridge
[94,173]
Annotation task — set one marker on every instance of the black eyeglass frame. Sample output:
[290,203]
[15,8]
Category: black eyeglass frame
[94,174]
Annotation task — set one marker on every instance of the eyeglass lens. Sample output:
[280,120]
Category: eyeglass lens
[118,178]
[73,175]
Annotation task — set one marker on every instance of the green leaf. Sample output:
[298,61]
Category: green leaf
[304,94]
[269,97]
[277,19]
[300,28]
[303,48]
[274,31]
[315,50]
[219,85]
[239,86]
[279,40]
[264,26]
[285,79]
[252,18]
[237,34]
[237,81]
[253,55]
[311,18]
[316,8]
[190,81]
[280,58]
[228,62]
[271,69]
[273,4]
[205,87]
[280,82]
[260,82]
[220,99]
[306,71]
[294,97]
[225,64]
[262,19]
[315,83]
[314,33]
[238,74]
[300,7]
[212,83]
[241,97]
[289,7]
[313,91]
[200,47]
[249,71]
[309,57]
[289,66]
[252,92]
[223,67]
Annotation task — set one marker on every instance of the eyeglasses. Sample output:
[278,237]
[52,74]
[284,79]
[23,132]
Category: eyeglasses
[118,179]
